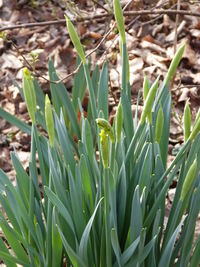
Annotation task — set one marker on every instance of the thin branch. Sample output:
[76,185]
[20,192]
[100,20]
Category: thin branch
[100,5]
[28,64]
[103,15]
[161,11]
[186,86]
[126,13]
[99,44]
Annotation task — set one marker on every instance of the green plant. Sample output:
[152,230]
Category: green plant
[100,211]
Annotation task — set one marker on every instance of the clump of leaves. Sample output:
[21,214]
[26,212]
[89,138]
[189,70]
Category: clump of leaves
[109,210]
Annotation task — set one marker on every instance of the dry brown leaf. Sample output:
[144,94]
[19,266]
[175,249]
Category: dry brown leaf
[95,35]
[171,36]
[184,94]
[152,46]
[11,62]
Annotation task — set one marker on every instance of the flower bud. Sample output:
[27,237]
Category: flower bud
[197,117]
[119,121]
[195,130]
[145,88]
[189,180]
[174,64]
[105,125]
[29,94]
[119,19]
[159,125]
[187,121]
[49,120]
[149,101]
[75,40]
[104,149]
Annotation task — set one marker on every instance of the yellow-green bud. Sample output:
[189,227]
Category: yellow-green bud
[195,130]
[149,101]
[104,148]
[197,117]
[187,121]
[159,125]
[119,121]
[145,88]
[189,179]
[174,64]
[119,19]
[49,120]
[105,125]
[75,40]
[29,94]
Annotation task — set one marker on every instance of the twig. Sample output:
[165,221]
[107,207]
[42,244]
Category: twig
[28,64]
[99,4]
[103,15]
[161,11]
[99,44]
[126,13]
[186,85]
[176,26]
[152,20]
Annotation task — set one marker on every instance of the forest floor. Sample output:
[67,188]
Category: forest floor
[151,44]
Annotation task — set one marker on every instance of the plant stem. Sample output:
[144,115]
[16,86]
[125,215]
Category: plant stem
[107,218]
[112,157]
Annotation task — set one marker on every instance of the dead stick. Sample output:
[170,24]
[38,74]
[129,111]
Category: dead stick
[89,18]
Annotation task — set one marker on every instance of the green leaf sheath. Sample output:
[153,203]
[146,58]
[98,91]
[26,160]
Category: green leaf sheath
[29,93]
[187,121]
[189,180]
[159,125]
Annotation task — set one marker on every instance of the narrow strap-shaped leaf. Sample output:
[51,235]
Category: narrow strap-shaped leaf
[57,245]
[75,259]
[128,253]
[39,95]
[127,117]
[115,245]
[13,241]
[13,260]
[60,206]
[66,102]
[86,181]
[64,140]
[122,198]
[91,91]
[79,87]
[15,121]
[61,98]
[103,91]
[7,257]
[166,255]
[86,233]
[166,127]
[75,190]
[136,216]
[22,178]
[195,258]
